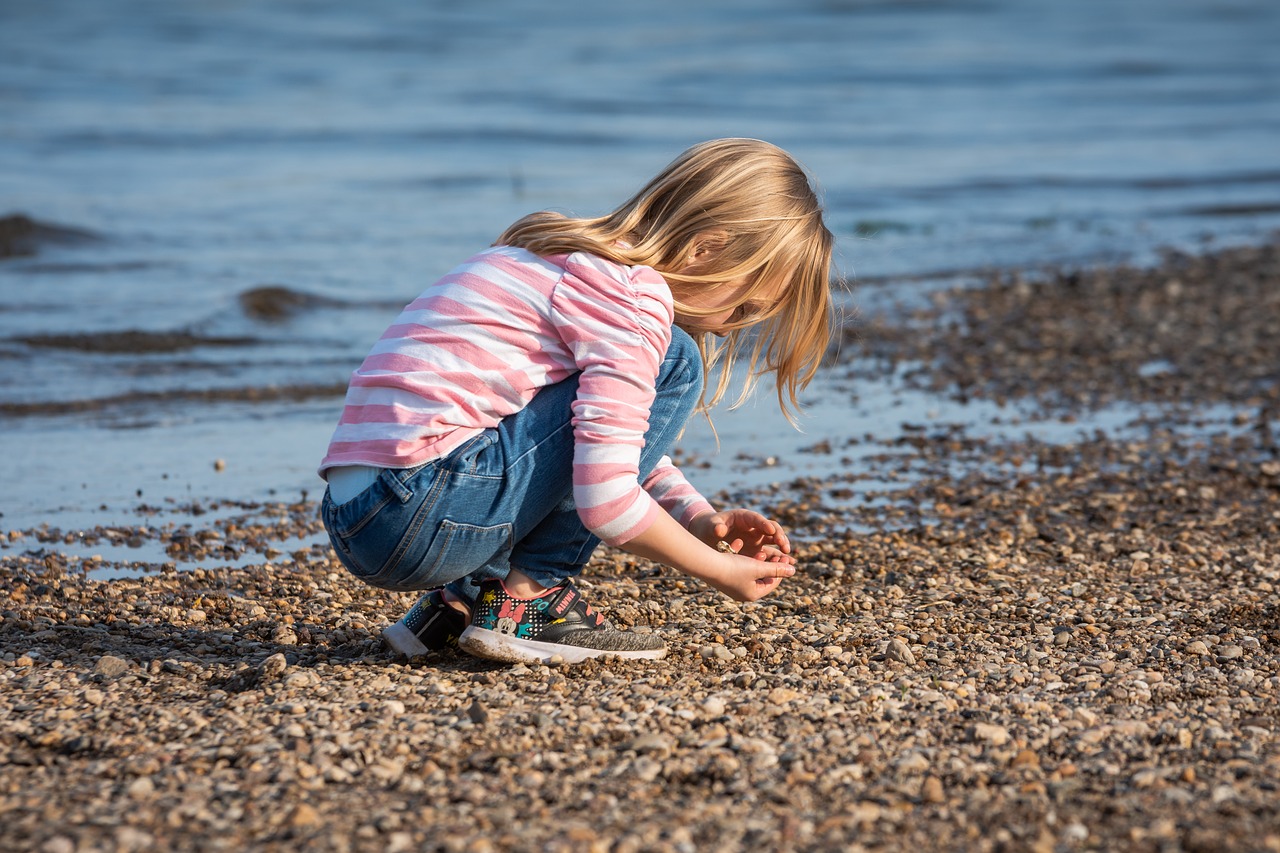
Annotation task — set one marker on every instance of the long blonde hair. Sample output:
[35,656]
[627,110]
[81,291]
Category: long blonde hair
[753,207]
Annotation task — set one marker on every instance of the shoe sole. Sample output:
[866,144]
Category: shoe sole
[484,643]
[402,640]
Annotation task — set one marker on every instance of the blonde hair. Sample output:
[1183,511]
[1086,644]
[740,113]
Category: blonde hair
[750,209]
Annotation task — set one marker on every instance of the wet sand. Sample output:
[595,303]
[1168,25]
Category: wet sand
[1019,646]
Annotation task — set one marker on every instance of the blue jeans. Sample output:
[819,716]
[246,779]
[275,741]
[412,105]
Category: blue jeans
[503,499]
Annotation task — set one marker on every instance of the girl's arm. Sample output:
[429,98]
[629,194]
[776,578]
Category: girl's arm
[739,576]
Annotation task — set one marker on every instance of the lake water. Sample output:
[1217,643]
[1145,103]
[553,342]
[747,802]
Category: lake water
[256,187]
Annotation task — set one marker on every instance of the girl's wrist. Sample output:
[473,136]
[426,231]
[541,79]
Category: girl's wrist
[699,523]
[714,570]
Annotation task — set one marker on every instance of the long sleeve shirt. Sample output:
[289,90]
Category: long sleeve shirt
[478,344]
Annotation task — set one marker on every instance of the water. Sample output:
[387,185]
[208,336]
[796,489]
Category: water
[264,183]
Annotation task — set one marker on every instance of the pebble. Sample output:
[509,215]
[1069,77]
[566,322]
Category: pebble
[111,666]
[988,733]
[931,790]
[898,650]
[1026,758]
[715,651]
[652,743]
[273,667]
[303,816]
[912,762]
[141,788]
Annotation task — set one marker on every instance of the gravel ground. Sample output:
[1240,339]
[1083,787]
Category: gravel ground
[1024,647]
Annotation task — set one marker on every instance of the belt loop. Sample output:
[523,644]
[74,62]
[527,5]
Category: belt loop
[397,488]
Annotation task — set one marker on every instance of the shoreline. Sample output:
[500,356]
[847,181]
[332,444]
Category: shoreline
[1007,642]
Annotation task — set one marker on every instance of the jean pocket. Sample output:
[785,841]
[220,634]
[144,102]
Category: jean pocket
[455,550]
[474,458]
[393,489]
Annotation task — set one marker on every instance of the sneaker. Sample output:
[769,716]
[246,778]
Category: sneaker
[430,625]
[556,625]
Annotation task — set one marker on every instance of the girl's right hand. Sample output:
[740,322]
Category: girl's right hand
[742,577]
[745,578]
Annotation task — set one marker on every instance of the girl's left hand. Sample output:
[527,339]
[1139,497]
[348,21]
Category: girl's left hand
[748,533]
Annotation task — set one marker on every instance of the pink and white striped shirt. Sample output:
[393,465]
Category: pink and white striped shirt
[477,345]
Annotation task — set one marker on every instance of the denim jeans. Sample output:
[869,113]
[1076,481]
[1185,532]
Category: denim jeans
[503,499]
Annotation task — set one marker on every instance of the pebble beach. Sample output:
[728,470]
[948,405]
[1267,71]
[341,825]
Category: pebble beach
[990,645]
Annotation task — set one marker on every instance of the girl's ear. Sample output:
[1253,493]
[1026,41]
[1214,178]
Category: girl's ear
[706,246]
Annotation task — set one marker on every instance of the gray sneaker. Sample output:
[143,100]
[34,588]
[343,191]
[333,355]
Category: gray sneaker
[558,625]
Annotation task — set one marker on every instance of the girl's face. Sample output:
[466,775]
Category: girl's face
[720,300]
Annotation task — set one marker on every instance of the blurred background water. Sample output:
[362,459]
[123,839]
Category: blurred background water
[239,194]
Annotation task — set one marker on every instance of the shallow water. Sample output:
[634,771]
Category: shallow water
[257,187]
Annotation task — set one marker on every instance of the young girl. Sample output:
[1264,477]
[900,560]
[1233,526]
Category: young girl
[522,408]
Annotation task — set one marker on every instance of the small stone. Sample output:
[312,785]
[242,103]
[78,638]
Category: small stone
[1131,728]
[94,696]
[912,762]
[477,713]
[284,636]
[1197,647]
[646,769]
[1075,833]
[900,651]
[989,733]
[713,706]
[196,616]
[400,842]
[651,742]
[1229,652]
[1026,758]
[273,667]
[393,708]
[111,666]
[304,815]
[1086,716]
[931,791]
[58,844]
[141,788]
[130,838]
[1146,778]
[715,651]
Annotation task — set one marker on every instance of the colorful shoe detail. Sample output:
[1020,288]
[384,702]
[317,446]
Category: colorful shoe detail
[559,624]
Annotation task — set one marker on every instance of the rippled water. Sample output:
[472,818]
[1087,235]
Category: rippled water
[251,189]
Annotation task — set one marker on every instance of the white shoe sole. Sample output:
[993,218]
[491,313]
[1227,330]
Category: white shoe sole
[484,643]
[404,641]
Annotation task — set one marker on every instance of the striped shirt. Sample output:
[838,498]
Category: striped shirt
[477,345]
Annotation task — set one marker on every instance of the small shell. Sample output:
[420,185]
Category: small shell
[724,547]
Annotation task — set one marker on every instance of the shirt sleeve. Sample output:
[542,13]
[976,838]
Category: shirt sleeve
[616,322]
[668,486]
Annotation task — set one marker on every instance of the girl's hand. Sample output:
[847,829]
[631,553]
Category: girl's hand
[763,564]
[750,578]
[747,533]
